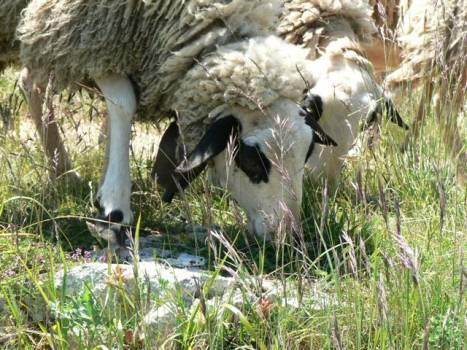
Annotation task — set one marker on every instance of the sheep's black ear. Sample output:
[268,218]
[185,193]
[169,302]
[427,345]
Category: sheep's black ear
[319,136]
[393,114]
[167,158]
[213,142]
[312,110]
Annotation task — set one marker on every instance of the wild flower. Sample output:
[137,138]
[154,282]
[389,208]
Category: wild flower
[87,255]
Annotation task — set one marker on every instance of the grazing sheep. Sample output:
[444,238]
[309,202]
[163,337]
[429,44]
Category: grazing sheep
[431,37]
[384,54]
[9,55]
[345,94]
[212,63]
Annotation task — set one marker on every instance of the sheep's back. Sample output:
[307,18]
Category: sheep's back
[153,42]
[305,22]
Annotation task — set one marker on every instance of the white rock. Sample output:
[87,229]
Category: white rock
[102,276]
[187,260]
[158,321]
[165,279]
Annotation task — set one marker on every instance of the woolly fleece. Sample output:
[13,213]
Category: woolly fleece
[431,33]
[252,74]
[206,55]
[9,17]
[153,42]
[309,22]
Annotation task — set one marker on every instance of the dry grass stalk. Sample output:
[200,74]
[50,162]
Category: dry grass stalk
[383,309]
[336,338]
[361,191]
[388,266]
[383,202]
[324,206]
[351,253]
[408,257]
[426,336]
[365,257]
[398,217]
[442,197]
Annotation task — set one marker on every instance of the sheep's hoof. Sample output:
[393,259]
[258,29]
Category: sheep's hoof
[114,255]
[110,230]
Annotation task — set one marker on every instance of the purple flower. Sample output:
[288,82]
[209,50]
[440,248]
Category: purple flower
[87,256]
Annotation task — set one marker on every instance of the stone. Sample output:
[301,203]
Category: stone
[158,321]
[160,277]
[187,260]
[169,281]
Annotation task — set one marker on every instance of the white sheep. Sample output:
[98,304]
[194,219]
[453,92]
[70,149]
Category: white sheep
[45,124]
[431,39]
[426,39]
[345,94]
[213,63]
[432,36]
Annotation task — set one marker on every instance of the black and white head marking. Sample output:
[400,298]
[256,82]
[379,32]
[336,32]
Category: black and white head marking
[312,110]
[253,162]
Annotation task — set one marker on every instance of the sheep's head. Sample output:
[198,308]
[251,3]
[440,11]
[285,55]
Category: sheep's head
[259,156]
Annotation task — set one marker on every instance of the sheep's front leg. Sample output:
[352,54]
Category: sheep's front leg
[115,190]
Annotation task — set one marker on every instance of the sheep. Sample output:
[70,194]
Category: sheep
[47,128]
[210,63]
[431,38]
[345,94]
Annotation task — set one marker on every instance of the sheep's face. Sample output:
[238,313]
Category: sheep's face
[263,169]
[259,156]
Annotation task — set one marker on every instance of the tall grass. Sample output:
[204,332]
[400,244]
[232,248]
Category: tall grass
[385,253]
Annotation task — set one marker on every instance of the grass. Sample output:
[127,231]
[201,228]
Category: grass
[388,246]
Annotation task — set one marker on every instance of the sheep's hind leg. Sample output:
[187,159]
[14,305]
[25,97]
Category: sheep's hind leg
[115,190]
[47,128]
